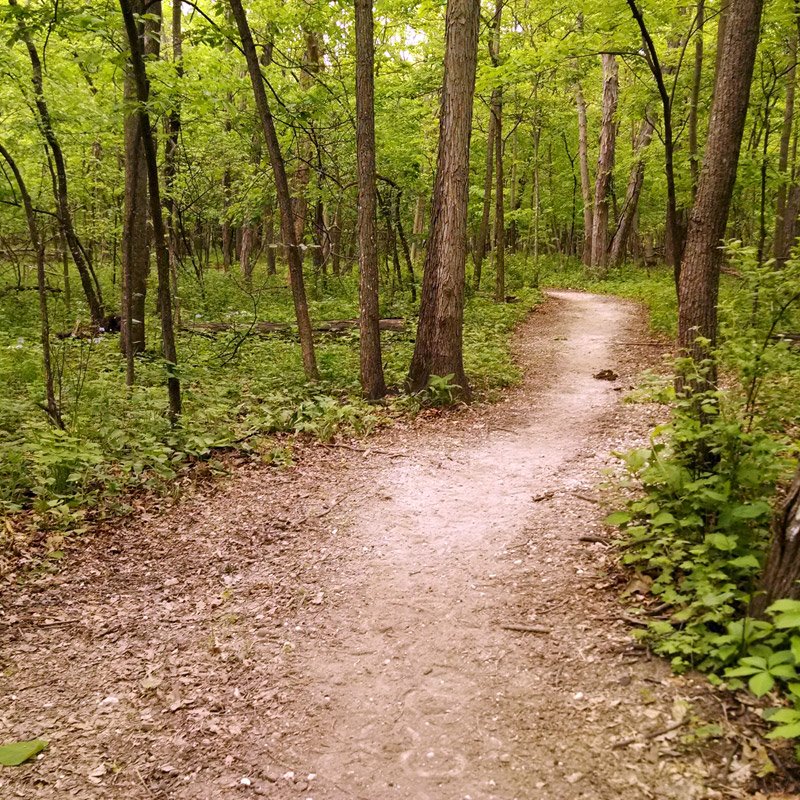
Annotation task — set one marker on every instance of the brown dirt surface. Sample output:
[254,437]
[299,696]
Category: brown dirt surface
[349,627]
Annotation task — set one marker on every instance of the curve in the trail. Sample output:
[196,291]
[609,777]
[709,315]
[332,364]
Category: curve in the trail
[429,693]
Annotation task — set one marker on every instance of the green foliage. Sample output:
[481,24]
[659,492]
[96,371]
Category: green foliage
[700,524]
[243,392]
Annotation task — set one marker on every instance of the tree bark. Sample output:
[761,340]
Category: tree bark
[438,347]
[626,217]
[699,283]
[156,216]
[605,164]
[282,189]
[781,576]
[135,232]
[373,385]
[586,181]
[419,227]
[52,408]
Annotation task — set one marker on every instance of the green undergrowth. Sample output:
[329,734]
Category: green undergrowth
[702,497]
[244,394]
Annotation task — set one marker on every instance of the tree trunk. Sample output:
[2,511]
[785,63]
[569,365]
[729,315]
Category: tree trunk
[586,181]
[52,408]
[781,576]
[697,75]
[282,189]
[409,263]
[625,220]
[135,231]
[699,283]
[483,231]
[419,227]
[372,382]
[783,158]
[438,346]
[605,164]
[91,288]
[171,157]
[156,216]
[499,189]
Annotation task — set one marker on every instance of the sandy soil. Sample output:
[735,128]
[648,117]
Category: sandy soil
[340,629]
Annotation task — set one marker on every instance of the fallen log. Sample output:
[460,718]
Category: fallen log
[328,326]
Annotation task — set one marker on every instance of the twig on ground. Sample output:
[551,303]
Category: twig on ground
[600,539]
[525,628]
[652,735]
[390,453]
[318,514]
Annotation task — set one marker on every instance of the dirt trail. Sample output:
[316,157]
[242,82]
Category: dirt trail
[336,630]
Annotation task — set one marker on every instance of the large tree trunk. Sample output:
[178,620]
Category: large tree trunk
[438,347]
[783,157]
[605,164]
[586,181]
[483,231]
[626,217]
[53,411]
[372,381]
[282,189]
[781,576]
[91,287]
[135,232]
[699,283]
[156,216]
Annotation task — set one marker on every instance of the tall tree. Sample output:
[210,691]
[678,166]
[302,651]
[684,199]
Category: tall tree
[616,251]
[483,231]
[282,189]
[586,180]
[699,281]
[438,347]
[52,408]
[783,156]
[135,232]
[372,381]
[91,287]
[499,191]
[605,163]
[156,216]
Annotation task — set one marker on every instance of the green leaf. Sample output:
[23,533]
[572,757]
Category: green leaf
[663,518]
[784,605]
[784,715]
[761,683]
[11,755]
[745,562]
[618,518]
[751,510]
[785,732]
[796,649]
[791,619]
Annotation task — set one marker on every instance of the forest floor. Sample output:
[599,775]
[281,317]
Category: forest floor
[336,629]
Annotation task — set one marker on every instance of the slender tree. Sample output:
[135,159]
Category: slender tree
[438,347]
[625,219]
[605,163]
[586,180]
[372,382]
[156,216]
[91,287]
[52,409]
[499,191]
[282,189]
